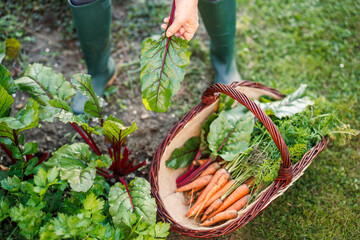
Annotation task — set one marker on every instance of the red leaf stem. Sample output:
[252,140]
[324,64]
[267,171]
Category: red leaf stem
[8,152]
[101,170]
[125,157]
[92,140]
[105,175]
[135,167]
[123,182]
[43,157]
[85,139]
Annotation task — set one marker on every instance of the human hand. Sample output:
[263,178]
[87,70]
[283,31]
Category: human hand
[186,20]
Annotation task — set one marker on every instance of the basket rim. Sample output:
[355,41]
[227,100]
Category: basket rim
[274,190]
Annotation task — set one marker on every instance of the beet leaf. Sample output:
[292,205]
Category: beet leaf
[93,107]
[183,157]
[121,209]
[6,81]
[230,133]
[163,63]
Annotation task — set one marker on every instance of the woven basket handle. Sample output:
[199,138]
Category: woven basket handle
[285,172]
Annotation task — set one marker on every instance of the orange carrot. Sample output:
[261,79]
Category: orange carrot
[218,185]
[199,162]
[194,209]
[233,197]
[239,204]
[215,205]
[219,193]
[210,169]
[227,215]
[199,182]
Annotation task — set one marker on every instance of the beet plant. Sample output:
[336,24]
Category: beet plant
[67,196]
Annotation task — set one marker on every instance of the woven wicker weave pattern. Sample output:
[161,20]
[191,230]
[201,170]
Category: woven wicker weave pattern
[287,173]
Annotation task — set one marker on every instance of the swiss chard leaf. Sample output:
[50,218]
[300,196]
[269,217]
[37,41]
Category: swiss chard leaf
[163,65]
[120,205]
[75,165]
[5,101]
[6,81]
[43,84]
[230,133]
[93,107]
[290,105]
[26,118]
[183,156]
[115,131]
[205,128]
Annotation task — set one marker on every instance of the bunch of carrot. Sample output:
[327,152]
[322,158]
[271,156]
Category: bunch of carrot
[216,196]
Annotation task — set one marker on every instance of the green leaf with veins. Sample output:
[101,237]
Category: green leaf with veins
[75,165]
[66,115]
[290,105]
[43,84]
[120,204]
[115,131]
[26,118]
[231,130]
[5,101]
[6,81]
[205,128]
[183,156]
[93,107]
[163,65]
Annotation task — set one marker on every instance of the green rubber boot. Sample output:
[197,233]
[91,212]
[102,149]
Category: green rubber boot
[92,22]
[219,17]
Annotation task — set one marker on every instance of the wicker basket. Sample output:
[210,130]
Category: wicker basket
[171,206]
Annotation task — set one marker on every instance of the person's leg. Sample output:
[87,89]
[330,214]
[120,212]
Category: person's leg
[92,20]
[219,17]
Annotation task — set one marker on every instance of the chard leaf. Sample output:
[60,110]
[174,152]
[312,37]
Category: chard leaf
[6,81]
[205,128]
[26,118]
[231,132]
[93,107]
[5,101]
[163,65]
[183,156]
[6,133]
[75,165]
[120,204]
[43,84]
[115,131]
[288,106]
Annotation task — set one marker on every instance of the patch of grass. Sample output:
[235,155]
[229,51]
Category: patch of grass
[284,44]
